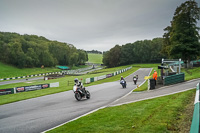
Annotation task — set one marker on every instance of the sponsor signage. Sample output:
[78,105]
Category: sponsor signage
[32,88]
[109,75]
[5,91]
[23,89]
[20,89]
[45,86]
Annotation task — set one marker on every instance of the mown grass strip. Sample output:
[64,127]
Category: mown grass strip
[191,73]
[63,85]
[95,58]
[171,113]
[144,86]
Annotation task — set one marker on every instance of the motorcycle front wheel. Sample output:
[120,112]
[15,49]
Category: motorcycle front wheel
[87,94]
[78,96]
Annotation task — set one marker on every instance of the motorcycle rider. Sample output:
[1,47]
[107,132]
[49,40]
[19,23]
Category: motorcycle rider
[135,79]
[79,84]
[122,79]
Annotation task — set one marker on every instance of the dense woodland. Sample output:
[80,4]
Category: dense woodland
[180,40]
[147,51]
[34,51]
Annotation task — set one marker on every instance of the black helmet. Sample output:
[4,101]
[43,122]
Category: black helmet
[76,80]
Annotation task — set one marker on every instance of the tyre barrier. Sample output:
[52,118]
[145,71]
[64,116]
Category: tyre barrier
[195,119]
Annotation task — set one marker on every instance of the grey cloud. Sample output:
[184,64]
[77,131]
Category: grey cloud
[88,24]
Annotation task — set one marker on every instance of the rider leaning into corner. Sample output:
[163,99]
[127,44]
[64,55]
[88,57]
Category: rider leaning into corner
[79,84]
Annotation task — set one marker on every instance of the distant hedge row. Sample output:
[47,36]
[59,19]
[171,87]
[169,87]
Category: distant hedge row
[34,51]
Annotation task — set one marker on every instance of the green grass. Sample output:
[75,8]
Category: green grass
[8,71]
[144,87]
[160,115]
[191,73]
[95,58]
[63,84]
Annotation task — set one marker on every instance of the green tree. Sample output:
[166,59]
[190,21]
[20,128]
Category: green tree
[114,56]
[181,39]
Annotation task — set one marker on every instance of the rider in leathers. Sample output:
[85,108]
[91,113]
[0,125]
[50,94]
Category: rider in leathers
[79,84]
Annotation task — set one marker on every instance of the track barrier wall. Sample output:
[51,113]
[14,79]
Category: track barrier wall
[195,119]
[93,79]
[27,88]
[173,79]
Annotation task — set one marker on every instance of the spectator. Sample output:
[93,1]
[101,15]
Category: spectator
[155,75]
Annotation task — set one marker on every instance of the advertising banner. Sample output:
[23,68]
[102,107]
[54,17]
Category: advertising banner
[6,91]
[32,88]
[109,75]
[20,89]
[45,86]
[56,84]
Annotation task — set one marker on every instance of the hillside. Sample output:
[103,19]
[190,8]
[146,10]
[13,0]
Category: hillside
[95,58]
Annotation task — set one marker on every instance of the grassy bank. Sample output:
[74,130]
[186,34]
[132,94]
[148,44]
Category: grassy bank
[144,87]
[63,84]
[171,113]
[8,71]
[191,73]
[95,58]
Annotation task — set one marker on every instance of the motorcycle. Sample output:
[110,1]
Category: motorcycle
[80,93]
[123,83]
[135,80]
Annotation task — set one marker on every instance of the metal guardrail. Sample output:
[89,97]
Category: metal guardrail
[195,119]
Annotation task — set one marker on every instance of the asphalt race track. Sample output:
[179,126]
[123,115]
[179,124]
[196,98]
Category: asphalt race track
[42,113]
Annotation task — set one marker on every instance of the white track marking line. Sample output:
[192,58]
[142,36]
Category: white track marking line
[92,110]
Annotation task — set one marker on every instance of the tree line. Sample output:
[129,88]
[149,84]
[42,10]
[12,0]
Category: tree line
[34,51]
[94,52]
[147,51]
[180,40]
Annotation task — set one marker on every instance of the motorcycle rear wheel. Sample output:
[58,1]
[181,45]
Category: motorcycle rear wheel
[78,96]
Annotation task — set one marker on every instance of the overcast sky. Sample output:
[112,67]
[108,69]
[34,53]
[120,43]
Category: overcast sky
[88,24]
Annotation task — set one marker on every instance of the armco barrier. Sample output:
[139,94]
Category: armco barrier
[88,80]
[173,79]
[195,119]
